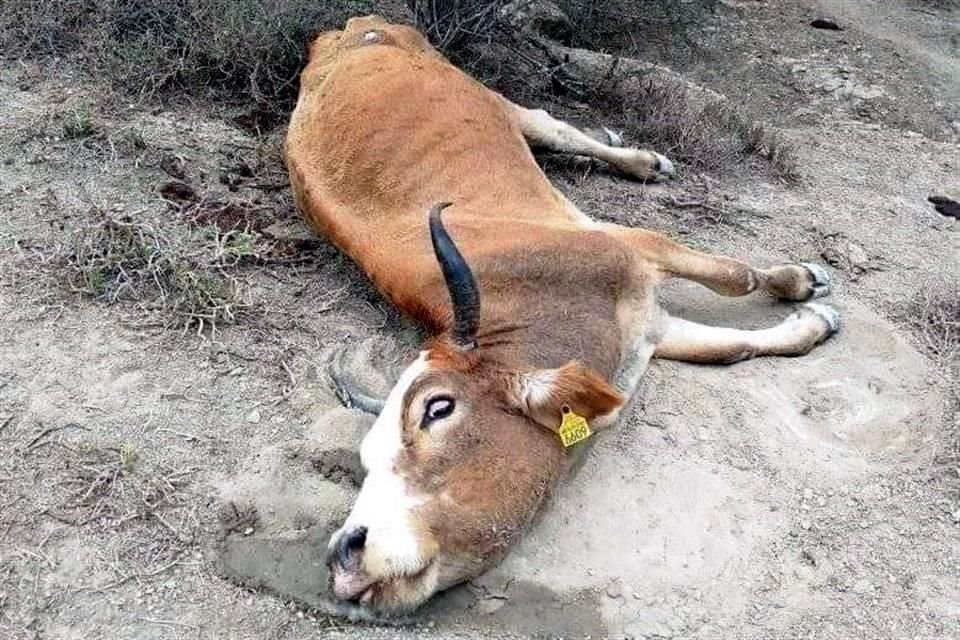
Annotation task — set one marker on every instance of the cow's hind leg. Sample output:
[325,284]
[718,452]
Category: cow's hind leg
[797,335]
[726,276]
[543,130]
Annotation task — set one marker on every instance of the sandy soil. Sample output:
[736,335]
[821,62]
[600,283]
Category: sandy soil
[150,472]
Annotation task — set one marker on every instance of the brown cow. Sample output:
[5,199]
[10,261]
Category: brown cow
[467,443]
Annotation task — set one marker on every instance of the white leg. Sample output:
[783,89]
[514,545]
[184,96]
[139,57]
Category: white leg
[542,129]
[795,336]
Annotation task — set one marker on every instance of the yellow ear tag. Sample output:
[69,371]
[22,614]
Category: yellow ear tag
[573,428]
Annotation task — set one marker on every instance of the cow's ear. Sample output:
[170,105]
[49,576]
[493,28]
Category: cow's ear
[543,394]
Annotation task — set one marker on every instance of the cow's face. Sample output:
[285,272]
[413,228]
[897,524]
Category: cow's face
[457,463]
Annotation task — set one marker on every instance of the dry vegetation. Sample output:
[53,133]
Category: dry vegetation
[933,315]
[249,52]
[226,50]
[132,260]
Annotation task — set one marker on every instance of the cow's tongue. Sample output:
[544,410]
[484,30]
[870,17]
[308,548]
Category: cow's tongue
[349,585]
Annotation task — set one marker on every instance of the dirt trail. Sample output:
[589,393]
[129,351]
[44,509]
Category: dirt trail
[779,498]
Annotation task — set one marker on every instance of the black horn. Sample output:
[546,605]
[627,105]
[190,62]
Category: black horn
[461,285]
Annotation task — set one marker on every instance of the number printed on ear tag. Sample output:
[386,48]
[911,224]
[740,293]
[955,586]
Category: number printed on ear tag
[573,428]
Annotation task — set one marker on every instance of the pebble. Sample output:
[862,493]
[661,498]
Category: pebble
[805,524]
[615,589]
[254,416]
[807,494]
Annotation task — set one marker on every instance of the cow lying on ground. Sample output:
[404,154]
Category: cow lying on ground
[543,320]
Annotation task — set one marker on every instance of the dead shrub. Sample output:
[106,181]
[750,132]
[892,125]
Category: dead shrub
[933,315]
[450,24]
[127,260]
[234,50]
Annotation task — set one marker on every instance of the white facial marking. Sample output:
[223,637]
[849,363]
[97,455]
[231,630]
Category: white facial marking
[385,505]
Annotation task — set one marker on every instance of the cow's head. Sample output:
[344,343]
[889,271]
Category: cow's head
[457,462]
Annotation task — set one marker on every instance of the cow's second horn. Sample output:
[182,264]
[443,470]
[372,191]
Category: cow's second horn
[461,284]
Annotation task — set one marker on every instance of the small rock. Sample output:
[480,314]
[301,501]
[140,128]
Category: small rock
[892,579]
[807,494]
[248,531]
[254,416]
[615,589]
[956,515]
[805,524]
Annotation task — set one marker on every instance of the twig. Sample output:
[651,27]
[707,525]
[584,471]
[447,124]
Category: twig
[182,434]
[168,623]
[70,425]
[133,576]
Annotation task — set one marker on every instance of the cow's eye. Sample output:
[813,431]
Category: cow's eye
[438,408]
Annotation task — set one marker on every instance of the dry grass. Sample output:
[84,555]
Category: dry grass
[248,51]
[644,29]
[143,502]
[933,315]
[714,137]
[124,259]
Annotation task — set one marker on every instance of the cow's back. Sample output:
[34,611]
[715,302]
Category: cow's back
[385,128]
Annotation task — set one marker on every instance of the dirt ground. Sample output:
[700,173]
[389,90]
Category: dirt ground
[153,478]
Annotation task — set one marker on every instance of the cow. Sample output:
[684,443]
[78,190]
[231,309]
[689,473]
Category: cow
[541,319]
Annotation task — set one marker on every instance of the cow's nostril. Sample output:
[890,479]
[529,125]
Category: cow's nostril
[350,545]
[356,538]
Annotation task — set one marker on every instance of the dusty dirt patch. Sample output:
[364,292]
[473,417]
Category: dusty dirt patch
[777,498]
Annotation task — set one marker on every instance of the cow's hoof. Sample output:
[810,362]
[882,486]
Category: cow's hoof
[826,313]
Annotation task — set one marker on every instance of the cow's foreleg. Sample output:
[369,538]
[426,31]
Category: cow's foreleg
[543,130]
[726,276]
[795,336]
